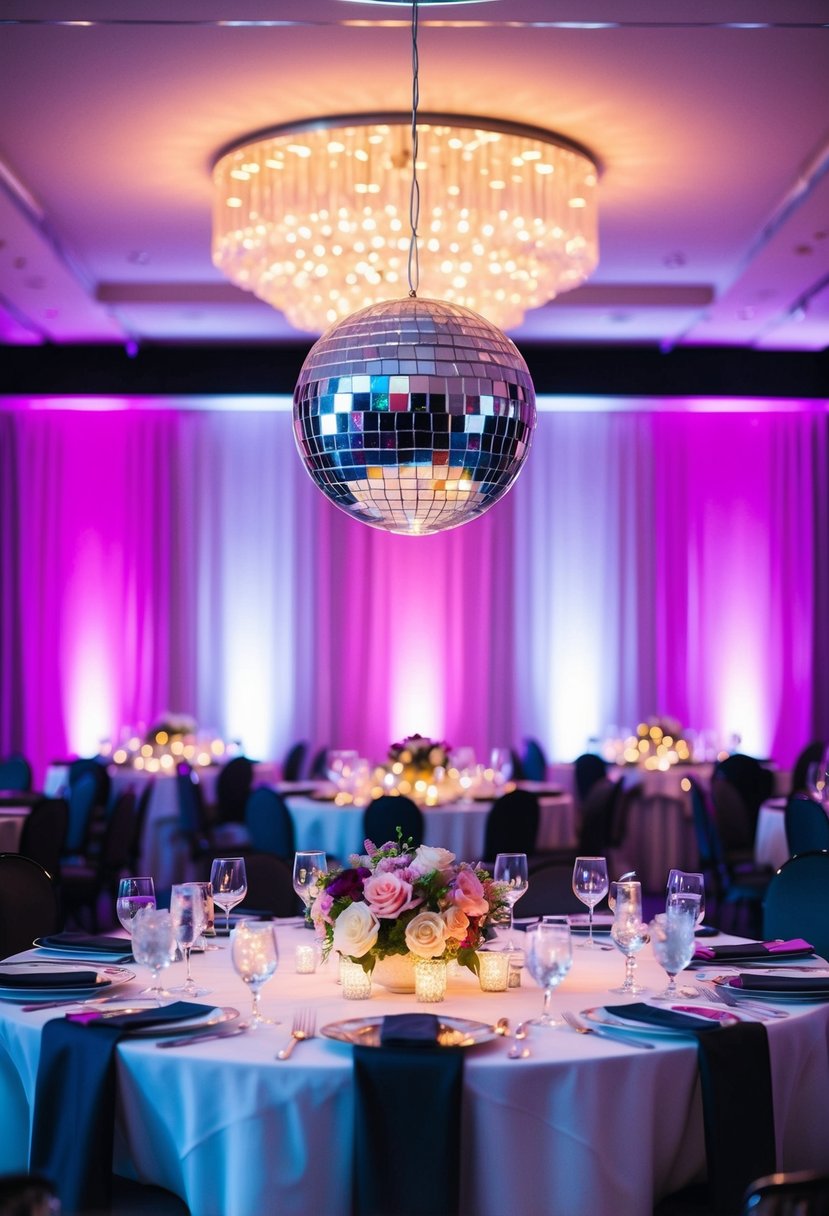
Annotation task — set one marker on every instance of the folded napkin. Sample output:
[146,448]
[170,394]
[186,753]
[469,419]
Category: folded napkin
[737,1106]
[74,1115]
[82,941]
[52,979]
[796,947]
[407,1109]
[781,983]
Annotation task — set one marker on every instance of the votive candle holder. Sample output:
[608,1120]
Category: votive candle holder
[305,959]
[430,980]
[354,980]
[493,970]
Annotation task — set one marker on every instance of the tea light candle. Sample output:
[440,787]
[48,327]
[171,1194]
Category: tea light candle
[305,958]
[493,971]
[354,981]
[430,980]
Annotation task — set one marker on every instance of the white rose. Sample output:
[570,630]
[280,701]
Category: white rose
[355,930]
[429,859]
[426,935]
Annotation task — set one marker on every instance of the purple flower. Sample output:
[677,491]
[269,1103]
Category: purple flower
[348,884]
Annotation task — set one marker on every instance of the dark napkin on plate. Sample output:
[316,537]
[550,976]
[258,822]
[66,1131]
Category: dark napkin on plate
[74,1115]
[737,1106]
[796,948]
[407,1108]
[819,984]
[83,941]
[52,979]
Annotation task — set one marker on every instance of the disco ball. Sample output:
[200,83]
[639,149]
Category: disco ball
[414,415]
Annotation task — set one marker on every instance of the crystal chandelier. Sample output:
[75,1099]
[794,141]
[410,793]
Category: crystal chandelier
[313,217]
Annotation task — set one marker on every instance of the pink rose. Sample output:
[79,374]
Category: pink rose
[468,894]
[456,922]
[387,894]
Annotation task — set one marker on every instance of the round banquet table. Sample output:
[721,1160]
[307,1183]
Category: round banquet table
[584,1125]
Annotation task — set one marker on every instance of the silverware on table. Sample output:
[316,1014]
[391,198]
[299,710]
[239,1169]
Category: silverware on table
[304,1027]
[81,1001]
[518,1051]
[188,1040]
[746,1005]
[619,1036]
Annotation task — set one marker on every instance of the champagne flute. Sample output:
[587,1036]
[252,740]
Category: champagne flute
[133,895]
[230,884]
[687,890]
[549,957]
[511,870]
[672,939]
[590,885]
[153,946]
[187,912]
[308,867]
[629,933]
[255,956]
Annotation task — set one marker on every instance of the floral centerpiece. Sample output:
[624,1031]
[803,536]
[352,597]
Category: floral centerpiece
[417,756]
[657,744]
[398,900]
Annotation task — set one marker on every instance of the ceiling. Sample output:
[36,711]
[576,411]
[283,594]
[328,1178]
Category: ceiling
[710,120]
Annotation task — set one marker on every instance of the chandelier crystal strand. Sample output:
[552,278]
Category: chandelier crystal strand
[413,265]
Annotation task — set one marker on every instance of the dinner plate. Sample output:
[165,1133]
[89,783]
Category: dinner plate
[815,996]
[452,1032]
[602,1017]
[108,976]
[84,952]
[219,1015]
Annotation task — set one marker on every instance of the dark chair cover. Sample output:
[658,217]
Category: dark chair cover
[44,833]
[317,770]
[233,786]
[812,754]
[588,769]
[796,901]
[511,825]
[749,777]
[598,818]
[28,903]
[82,884]
[15,773]
[294,762]
[269,823]
[270,886]
[730,885]
[807,825]
[388,812]
[139,822]
[533,761]
[550,892]
[83,800]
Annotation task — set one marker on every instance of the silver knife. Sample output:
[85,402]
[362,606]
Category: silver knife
[203,1038]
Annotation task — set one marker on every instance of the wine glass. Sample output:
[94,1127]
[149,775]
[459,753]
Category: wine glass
[133,895]
[672,939]
[511,870]
[629,933]
[230,884]
[153,946]
[548,957]
[255,955]
[187,912]
[590,885]
[307,869]
[500,761]
[687,890]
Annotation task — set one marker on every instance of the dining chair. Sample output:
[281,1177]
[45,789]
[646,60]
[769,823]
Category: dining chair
[550,891]
[270,886]
[807,825]
[812,753]
[317,770]
[732,886]
[801,1193]
[83,883]
[735,825]
[385,814]
[83,801]
[752,780]
[512,824]
[233,786]
[599,818]
[533,761]
[29,905]
[588,768]
[795,903]
[142,807]
[294,762]
[44,833]
[15,773]
[269,824]
[28,1195]
[194,826]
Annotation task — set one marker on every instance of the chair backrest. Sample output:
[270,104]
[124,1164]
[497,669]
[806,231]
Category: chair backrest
[533,761]
[192,819]
[588,768]
[269,823]
[270,886]
[28,903]
[733,816]
[802,1193]
[98,769]
[317,770]
[232,788]
[138,825]
[15,773]
[512,824]
[83,798]
[598,814]
[709,846]
[749,777]
[116,847]
[812,754]
[294,762]
[807,825]
[44,833]
[385,814]
[550,891]
[796,905]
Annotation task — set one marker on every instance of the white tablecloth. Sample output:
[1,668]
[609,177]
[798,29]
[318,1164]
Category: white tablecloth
[457,826]
[583,1126]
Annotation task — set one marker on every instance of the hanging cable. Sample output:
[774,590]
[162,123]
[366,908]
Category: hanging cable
[413,268]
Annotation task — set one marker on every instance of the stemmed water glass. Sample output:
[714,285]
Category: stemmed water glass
[686,890]
[590,885]
[187,912]
[548,957]
[133,895]
[511,870]
[629,933]
[154,946]
[255,956]
[672,938]
[230,884]
[307,869]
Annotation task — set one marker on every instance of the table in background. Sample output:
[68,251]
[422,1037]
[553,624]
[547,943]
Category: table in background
[457,826]
[583,1125]
[12,819]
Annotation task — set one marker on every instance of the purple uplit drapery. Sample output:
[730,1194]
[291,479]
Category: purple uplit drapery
[650,561]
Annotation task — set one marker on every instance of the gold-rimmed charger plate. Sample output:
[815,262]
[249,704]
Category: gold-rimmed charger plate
[452,1032]
[107,977]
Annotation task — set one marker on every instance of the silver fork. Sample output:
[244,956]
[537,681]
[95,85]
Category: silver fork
[617,1035]
[304,1027]
[733,1002]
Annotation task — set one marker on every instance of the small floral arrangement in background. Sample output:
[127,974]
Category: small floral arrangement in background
[396,899]
[171,726]
[657,744]
[419,754]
